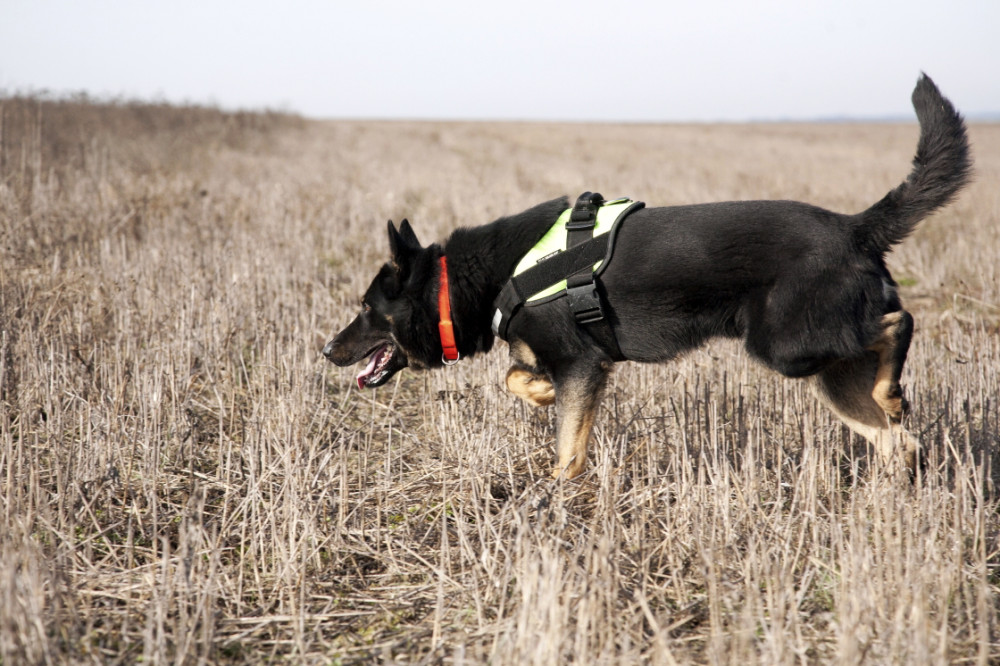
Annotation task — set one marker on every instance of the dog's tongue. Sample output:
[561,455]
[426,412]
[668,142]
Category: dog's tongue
[374,364]
[369,369]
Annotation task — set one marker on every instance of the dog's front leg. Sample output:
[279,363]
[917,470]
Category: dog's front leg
[578,395]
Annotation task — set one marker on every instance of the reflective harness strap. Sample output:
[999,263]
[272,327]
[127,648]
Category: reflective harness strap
[521,287]
[575,264]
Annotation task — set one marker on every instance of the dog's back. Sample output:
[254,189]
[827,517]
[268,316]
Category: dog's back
[777,273]
[802,285]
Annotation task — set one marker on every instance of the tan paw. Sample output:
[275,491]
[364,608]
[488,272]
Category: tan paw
[534,389]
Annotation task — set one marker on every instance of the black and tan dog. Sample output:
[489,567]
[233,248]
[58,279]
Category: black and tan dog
[806,289]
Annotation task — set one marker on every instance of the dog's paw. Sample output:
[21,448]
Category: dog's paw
[536,390]
[889,397]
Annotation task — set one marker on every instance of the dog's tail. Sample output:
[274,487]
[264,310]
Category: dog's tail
[941,167]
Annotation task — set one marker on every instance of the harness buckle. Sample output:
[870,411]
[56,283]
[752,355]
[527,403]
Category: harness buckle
[581,224]
[585,303]
[584,215]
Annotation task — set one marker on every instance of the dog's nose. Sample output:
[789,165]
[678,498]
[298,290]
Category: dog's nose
[328,350]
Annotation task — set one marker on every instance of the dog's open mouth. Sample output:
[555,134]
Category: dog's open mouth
[377,371]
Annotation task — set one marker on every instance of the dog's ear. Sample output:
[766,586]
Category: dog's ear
[410,238]
[404,242]
[395,242]
[404,246]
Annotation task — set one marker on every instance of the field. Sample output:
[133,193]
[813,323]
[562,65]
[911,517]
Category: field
[184,479]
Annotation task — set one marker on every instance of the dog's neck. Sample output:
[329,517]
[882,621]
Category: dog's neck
[481,260]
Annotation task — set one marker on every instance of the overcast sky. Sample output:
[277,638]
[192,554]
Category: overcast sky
[702,60]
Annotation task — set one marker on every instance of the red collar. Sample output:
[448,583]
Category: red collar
[450,353]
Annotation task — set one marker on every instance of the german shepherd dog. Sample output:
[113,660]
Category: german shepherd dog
[806,289]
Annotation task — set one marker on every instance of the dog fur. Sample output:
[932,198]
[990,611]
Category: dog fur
[806,289]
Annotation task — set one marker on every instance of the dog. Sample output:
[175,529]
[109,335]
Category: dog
[806,290]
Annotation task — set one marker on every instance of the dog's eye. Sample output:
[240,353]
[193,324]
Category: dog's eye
[365,307]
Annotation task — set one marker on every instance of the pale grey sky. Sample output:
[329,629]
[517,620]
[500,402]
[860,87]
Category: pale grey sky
[590,60]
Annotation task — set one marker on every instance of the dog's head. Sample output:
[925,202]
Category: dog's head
[397,325]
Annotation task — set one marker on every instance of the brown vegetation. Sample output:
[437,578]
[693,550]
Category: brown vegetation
[184,479]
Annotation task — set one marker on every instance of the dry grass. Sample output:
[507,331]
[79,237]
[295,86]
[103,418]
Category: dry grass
[184,479]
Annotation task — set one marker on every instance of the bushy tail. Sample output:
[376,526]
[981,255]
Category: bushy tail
[941,167]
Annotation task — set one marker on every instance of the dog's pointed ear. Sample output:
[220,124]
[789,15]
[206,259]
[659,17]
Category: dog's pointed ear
[410,238]
[404,246]
[395,241]
[404,241]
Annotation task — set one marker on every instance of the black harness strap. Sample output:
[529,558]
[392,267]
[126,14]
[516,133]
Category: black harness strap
[583,219]
[580,289]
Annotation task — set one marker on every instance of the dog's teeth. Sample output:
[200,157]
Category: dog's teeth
[383,357]
[375,369]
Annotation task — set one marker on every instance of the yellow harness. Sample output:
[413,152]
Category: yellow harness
[567,261]
[554,241]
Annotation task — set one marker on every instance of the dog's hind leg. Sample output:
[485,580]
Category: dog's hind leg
[891,347]
[846,387]
[578,395]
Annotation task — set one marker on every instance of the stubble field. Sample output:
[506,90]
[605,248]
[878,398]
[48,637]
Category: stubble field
[184,479]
